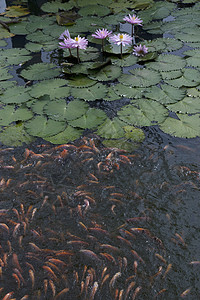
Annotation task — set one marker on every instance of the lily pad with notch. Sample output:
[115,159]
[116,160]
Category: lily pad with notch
[15,135]
[97,91]
[69,134]
[91,119]
[40,71]
[111,129]
[11,113]
[107,73]
[15,95]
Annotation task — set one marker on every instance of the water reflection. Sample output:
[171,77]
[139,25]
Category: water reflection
[82,221]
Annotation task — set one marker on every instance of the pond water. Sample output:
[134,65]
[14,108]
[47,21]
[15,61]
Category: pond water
[85,216]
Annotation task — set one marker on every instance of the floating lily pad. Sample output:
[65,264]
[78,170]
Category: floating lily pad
[18,28]
[55,6]
[5,34]
[122,143]
[91,119]
[15,136]
[188,105]
[80,81]
[171,75]
[90,23]
[40,71]
[94,10]
[42,127]
[4,75]
[146,113]
[167,63]
[111,129]
[97,91]
[69,134]
[189,35]
[39,37]
[158,10]
[82,3]
[3,43]
[14,56]
[130,60]
[37,106]
[53,87]
[15,95]
[140,78]
[38,22]
[59,110]
[193,92]
[133,133]
[16,11]
[128,91]
[185,127]
[107,73]
[165,94]
[111,95]
[10,113]
[190,78]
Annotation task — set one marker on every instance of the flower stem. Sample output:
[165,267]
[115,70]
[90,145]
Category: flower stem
[78,58]
[121,49]
[102,44]
[132,30]
[70,52]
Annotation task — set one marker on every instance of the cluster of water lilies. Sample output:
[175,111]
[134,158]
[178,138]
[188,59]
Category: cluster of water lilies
[118,39]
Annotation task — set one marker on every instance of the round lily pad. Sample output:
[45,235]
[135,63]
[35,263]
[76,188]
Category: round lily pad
[107,73]
[91,119]
[40,71]
[140,78]
[97,91]
[67,135]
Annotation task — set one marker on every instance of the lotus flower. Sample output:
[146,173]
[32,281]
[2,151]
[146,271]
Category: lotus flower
[140,50]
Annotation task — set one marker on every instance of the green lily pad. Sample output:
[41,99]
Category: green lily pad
[167,63]
[42,127]
[33,47]
[165,94]
[10,113]
[111,129]
[122,143]
[15,95]
[53,87]
[3,43]
[39,37]
[14,56]
[55,6]
[146,113]
[4,75]
[111,95]
[189,35]
[80,81]
[18,28]
[171,75]
[37,106]
[38,22]
[107,73]
[82,3]
[5,34]
[140,78]
[40,71]
[91,119]
[59,110]
[188,105]
[128,91]
[68,135]
[97,91]
[185,127]
[189,78]
[94,10]
[126,61]
[16,11]
[15,136]
[134,134]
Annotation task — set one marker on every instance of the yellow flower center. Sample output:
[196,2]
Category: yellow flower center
[76,38]
[121,36]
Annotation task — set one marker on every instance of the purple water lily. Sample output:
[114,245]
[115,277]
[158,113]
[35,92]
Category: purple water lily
[121,40]
[79,43]
[140,50]
[102,34]
[133,20]
[65,35]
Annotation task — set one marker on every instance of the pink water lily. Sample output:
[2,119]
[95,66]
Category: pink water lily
[101,33]
[140,50]
[121,40]
[66,44]
[79,42]
[65,35]
[133,20]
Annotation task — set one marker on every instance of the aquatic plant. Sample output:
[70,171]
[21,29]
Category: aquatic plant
[102,34]
[140,50]
[121,40]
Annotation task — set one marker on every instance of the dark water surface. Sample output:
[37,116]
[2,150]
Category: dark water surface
[79,198]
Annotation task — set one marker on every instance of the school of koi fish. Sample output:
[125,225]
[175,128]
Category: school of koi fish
[57,239]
